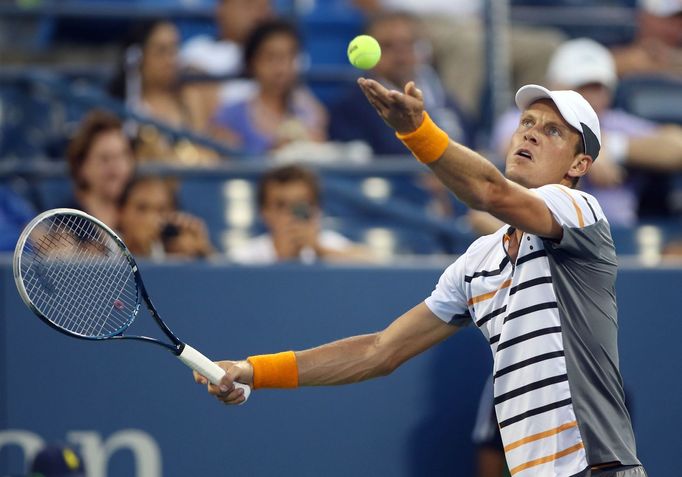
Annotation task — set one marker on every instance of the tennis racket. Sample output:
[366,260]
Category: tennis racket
[79,277]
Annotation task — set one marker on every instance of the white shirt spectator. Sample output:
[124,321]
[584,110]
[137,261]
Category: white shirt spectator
[261,250]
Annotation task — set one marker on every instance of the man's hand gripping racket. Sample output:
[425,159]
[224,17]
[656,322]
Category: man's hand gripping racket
[78,276]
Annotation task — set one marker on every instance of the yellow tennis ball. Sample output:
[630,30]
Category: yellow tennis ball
[364,52]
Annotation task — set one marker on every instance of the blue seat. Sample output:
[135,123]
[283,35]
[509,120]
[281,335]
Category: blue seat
[658,98]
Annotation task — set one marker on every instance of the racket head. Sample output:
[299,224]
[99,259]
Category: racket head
[77,275]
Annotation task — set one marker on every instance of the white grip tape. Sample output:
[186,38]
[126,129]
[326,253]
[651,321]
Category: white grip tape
[204,366]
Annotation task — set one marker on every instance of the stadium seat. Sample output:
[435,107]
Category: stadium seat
[658,98]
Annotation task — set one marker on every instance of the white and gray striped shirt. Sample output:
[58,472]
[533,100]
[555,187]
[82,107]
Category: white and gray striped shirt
[550,319]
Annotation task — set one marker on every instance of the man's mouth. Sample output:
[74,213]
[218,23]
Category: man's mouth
[524,153]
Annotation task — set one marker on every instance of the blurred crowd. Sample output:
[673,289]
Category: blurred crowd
[245,88]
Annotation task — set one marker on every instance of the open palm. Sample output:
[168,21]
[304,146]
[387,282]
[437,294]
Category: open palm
[402,111]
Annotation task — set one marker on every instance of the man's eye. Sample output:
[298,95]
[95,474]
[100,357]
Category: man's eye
[554,131]
[526,123]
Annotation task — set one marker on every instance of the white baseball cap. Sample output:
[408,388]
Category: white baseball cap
[582,61]
[662,8]
[575,110]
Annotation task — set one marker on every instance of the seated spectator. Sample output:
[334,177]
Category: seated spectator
[57,460]
[289,203]
[221,56]
[657,48]
[399,37]
[15,213]
[148,81]
[281,111]
[100,164]
[631,145]
[152,227]
[457,32]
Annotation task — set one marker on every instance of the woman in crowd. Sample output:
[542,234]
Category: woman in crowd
[100,163]
[281,111]
[148,81]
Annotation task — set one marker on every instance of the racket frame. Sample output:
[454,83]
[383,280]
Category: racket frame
[177,346]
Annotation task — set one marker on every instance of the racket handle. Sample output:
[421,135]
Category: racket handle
[204,366]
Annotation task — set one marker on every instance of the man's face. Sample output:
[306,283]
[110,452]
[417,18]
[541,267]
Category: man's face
[543,147]
[398,40]
[283,199]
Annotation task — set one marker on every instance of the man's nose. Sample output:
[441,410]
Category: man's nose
[531,136]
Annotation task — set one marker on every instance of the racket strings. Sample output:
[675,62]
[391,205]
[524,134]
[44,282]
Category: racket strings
[78,277]
[90,264]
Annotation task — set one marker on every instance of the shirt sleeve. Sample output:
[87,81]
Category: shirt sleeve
[448,300]
[570,207]
[586,232]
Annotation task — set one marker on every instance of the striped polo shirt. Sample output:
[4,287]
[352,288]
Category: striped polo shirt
[551,321]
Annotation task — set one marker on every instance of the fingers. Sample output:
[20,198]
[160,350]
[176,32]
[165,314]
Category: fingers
[412,90]
[378,102]
[226,392]
[199,379]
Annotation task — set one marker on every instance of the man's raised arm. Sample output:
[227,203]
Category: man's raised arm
[471,177]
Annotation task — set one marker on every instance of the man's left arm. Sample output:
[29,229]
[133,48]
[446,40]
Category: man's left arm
[472,178]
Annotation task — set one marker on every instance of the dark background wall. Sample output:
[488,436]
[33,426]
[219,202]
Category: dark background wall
[416,422]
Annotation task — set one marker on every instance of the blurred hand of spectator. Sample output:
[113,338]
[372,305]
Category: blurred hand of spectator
[605,172]
[186,236]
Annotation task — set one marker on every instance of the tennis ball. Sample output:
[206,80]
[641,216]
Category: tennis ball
[364,52]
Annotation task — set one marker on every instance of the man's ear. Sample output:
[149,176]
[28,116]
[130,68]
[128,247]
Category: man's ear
[581,165]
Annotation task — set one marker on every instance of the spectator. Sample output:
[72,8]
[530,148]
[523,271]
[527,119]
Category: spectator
[152,226]
[148,80]
[657,48]
[222,56]
[457,32]
[281,111]
[399,37]
[57,460]
[100,164]
[631,146]
[289,203]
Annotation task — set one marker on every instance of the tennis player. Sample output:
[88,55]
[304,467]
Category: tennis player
[541,290]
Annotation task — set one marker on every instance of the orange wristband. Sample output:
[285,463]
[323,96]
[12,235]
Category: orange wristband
[428,142]
[274,370]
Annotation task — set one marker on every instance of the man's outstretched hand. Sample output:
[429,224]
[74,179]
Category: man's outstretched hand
[404,111]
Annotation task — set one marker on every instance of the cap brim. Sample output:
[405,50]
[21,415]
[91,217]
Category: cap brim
[531,93]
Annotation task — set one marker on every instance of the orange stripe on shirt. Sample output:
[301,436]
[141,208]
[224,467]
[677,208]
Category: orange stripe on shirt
[486,296]
[581,221]
[540,435]
[549,458]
